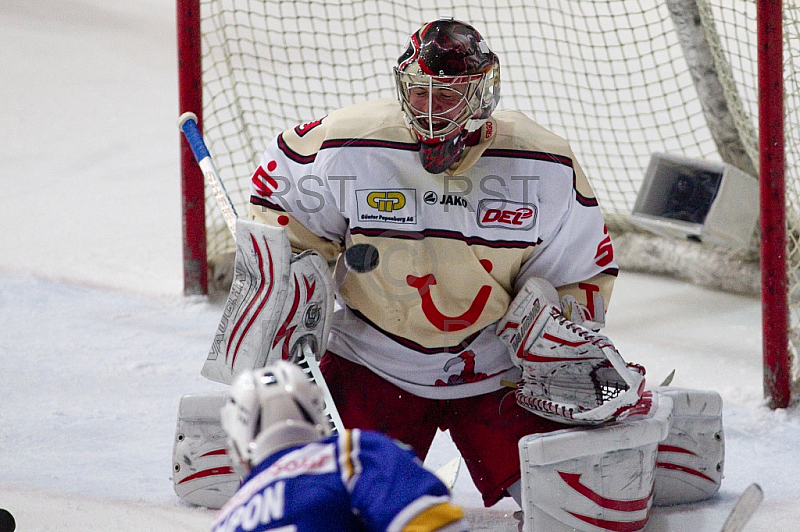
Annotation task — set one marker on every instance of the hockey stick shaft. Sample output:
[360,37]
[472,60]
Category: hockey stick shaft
[448,473]
[310,361]
[187,123]
[744,508]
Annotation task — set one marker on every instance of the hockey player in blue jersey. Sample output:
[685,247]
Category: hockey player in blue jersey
[301,478]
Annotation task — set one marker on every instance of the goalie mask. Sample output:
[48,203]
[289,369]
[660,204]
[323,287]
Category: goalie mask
[271,409]
[448,84]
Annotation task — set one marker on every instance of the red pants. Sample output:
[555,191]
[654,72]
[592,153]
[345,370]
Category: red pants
[486,428]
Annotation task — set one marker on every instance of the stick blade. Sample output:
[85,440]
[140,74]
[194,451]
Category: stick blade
[448,473]
[744,508]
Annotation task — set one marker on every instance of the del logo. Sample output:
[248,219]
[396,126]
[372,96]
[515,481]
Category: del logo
[506,214]
[387,205]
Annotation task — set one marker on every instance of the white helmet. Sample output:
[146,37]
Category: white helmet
[271,409]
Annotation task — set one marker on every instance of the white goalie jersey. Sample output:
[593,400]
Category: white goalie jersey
[453,247]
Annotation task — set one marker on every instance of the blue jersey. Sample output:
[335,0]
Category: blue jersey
[355,481]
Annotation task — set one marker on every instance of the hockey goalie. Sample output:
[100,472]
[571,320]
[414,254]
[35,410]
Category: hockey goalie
[494,265]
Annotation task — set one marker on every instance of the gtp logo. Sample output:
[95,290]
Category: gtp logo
[397,206]
[386,200]
[506,214]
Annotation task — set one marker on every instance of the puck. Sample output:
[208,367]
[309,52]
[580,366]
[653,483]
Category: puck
[361,258]
[7,522]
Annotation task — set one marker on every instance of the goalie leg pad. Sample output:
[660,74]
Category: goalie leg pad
[277,303]
[202,472]
[593,479]
[690,461]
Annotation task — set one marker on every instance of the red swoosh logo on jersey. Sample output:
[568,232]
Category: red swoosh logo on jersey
[441,321]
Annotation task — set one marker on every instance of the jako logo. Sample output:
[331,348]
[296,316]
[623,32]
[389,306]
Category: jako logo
[450,199]
[506,214]
[386,201]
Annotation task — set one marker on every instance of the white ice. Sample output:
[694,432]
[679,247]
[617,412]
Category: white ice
[97,343]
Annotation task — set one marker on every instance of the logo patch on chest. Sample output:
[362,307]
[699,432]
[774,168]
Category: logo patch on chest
[387,205]
[506,214]
[447,200]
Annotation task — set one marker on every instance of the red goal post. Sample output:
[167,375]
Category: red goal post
[775,288]
[190,98]
[621,79]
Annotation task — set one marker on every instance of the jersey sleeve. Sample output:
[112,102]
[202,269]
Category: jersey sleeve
[577,258]
[391,490]
[290,189]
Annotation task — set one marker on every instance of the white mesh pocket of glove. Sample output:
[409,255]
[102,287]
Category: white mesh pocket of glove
[580,391]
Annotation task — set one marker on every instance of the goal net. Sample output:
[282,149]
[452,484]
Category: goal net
[620,79]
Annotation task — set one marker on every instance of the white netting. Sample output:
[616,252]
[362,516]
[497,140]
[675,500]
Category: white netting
[611,76]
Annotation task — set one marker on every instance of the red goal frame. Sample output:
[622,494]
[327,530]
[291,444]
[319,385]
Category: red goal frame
[190,96]
[774,279]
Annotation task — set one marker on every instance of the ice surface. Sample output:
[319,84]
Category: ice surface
[98,344]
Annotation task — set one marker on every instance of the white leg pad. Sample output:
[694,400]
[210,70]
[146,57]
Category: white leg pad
[202,471]
[690,461]
[593,479]
[278,302]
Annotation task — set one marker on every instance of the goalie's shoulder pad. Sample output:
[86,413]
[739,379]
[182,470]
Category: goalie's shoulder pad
[379,119]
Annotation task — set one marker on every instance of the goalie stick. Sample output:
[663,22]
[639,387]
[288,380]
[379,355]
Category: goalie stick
[310,367]
[187,123]
[746,505]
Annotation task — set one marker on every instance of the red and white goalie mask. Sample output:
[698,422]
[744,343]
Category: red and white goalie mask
[448,84]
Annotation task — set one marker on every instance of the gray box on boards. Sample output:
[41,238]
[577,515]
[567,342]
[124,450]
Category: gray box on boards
[701,200]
